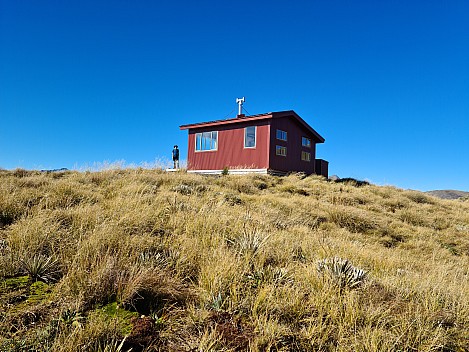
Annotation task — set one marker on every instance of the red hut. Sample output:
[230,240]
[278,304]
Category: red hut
[275,142]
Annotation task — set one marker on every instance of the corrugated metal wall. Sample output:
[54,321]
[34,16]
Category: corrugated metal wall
[231,152]
[322,167]
[292,162]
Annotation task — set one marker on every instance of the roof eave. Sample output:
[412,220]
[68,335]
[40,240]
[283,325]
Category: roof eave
[319,138]
[269,115]
[226,122]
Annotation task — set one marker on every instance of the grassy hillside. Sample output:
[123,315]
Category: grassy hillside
[153,261]
[448,194]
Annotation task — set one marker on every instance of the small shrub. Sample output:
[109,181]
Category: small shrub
[233,199]
[352,181]
[451,247]
[341,272]
[145,333]
[20,173]
[7,218]
[225,171]
[233,332]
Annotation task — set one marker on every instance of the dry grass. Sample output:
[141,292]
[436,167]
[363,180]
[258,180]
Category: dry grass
[227,264]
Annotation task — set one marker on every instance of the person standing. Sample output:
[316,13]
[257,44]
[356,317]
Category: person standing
[175,154]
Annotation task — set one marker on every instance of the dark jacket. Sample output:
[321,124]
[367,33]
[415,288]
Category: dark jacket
[175,154]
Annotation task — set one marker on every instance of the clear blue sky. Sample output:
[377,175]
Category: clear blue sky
[385,82]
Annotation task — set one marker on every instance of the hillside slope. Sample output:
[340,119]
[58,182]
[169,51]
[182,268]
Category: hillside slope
[153,261]
[448,194]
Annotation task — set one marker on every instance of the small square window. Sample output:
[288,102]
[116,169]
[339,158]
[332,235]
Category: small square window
[280,150]
[281,135]
[306,142]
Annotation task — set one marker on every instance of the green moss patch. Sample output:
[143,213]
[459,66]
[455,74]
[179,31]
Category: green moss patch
[123,317]
[13,284]
[39,291]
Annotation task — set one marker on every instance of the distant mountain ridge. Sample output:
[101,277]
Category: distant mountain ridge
[442,194]
[448,194]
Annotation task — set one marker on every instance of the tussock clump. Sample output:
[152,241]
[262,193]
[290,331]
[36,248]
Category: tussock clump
[20,173]
[9,263]
[413,217]
[440,223]
[347,200]
[294,190]
[149,290]
[8,215]
[391,239]
[238,184]
[418,197]
[352,220]
[392,205]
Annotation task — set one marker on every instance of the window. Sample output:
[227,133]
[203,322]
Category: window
[250,137]
[306,142]
[305,156]
[282,135]
[279,150]
[206,141]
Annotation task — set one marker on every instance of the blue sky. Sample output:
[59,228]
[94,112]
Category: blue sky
[385,82]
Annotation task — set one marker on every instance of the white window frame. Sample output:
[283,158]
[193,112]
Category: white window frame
[280,150]
[213,137]
[255,137]
[305,156]
[307,144]
[283,135]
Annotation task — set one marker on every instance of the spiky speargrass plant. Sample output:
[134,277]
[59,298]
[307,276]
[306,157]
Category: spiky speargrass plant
[41,268]
[249,241]
[216,301]
[71,318]
[341,272]
[183,189]
[112,346]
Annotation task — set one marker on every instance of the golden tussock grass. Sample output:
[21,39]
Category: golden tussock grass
[180,262]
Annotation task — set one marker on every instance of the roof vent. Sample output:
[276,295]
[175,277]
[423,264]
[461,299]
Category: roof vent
[240,102]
